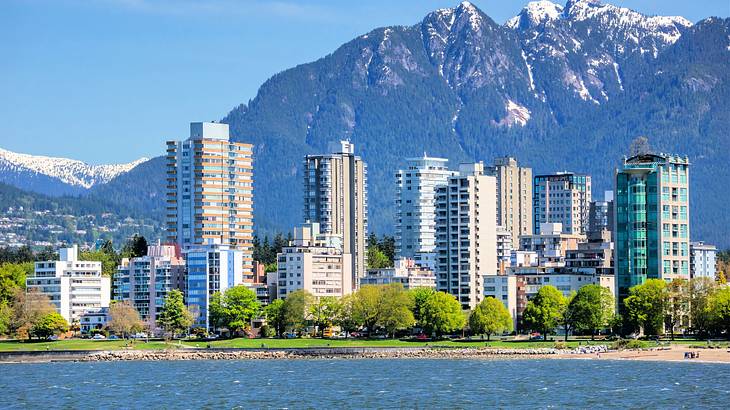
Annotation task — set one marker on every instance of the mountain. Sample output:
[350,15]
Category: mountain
[561,87]
[56,176]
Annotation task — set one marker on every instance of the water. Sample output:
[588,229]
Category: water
[365,383]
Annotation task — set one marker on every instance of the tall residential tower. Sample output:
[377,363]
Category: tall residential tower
[210,190]
[415,221]
[514,197]
[335,196]
[563,198]
[651,221]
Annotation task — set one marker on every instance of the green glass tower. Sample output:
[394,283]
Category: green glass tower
[651,221]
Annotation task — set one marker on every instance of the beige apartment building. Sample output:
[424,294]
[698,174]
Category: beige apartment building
[335,197]
[314,261]
[210,190]
[514,197]
[466,234]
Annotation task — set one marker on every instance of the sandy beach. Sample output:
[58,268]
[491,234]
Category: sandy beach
[674,353]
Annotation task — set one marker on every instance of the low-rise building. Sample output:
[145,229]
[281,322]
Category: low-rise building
[405,272]
[94,319]
[315,262]
[146,281]
[73,286]
[504,289]
[551,243]
[702,260]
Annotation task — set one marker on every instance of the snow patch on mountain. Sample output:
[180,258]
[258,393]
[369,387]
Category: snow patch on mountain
[535,13]
[69,171]
[517,114]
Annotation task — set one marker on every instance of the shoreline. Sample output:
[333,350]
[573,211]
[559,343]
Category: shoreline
[601,352]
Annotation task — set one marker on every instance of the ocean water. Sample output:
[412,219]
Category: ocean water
[334,384]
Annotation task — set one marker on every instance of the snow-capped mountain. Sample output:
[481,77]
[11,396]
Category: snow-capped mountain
[56,176]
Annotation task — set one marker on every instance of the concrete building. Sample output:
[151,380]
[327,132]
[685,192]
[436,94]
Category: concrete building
[651,221]
[466,234]
[514,197]
[335,197]
[314,261]
[551,244]
[564,198]
[504,249]
[504,289]
[146,281]
[210,190]
[415,224]
[91,319]
[406,272]
[74,287]
[211,267]
[702,258]
[594,256]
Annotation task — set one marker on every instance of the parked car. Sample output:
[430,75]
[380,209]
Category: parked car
[422,337]
[290,336]
[113,337]
[99,337]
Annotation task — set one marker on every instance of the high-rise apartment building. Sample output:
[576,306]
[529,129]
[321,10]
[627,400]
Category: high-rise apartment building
[415,224]
[210,190]
[702,260]
[600,215]
[145,281]
[563,198]
[466,234]
[651,221]
[514,197]
[314,261]
[335,196]
[75,287]
[211,268]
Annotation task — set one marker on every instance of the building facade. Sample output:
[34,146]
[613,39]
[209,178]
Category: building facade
[75,287]
[335,197]
[315,262]
[600,215]
[415,224]
[651,221]
[210,190]
[702,260]
[146,281]
[563,198]
[406,272]
[514,197]
[504,289]
[211,268]
[466,234]
[551,244]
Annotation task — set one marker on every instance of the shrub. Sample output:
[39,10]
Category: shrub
[628,344]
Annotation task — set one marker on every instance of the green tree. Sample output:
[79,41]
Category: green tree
[12,279]
[324,312]
[109,262]
[377,259]
[701,291]
[366,307]
[48,325]
[545,311]
[6,317]
[646,305]
[296,309]
[28,309]
[420,296]
[124,319]
[135,247]
[239,305]
[174,316]
[719,308]
[490,317]
[395,309]
[275,316]
[591,309]
[677,304]
[442,314]
[346,320]
[216,314]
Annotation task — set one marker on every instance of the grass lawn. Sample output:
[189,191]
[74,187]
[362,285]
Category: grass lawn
[86,344]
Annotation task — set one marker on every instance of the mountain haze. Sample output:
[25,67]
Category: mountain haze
[561,87]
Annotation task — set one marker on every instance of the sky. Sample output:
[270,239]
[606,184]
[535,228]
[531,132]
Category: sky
[109,81]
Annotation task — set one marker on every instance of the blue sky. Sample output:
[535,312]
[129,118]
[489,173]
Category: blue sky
[111,80]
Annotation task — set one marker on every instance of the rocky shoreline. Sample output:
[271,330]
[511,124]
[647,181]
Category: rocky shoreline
[336,353]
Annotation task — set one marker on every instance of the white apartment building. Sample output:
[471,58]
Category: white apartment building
[406,272]
[551,244]
[702,260]
[145,281]
[73,286]
[335,197]
[466,234]
[504,249]
[415,223]
[315,262]
[563,198]
[504,289]
[213,267]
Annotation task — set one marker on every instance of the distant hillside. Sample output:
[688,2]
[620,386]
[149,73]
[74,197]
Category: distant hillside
[559,87]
